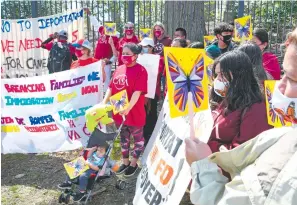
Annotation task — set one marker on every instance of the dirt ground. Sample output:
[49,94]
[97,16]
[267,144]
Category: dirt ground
[42,174]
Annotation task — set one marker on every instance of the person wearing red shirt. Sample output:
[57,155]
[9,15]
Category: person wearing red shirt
[270,61]
[131,77]
[83,52]
[62,37]
[151,104]
[128,38]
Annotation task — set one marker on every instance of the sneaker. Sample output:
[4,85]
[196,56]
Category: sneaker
[65,185]
[122,169]
[130,171]
[78,196]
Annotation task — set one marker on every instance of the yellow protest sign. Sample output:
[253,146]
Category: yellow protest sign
[278,117]
[144,32]
[110,29]
[208,62]
[185,72]
[119,101]
[243,28]
[76,167]
[207,40]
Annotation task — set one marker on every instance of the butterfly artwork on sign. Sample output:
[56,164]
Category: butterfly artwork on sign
[243,28]
[278,117]
[76,167]
[144,33]
[110,29]
[208,40]
[119,101]
[186,74]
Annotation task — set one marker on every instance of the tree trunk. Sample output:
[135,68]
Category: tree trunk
[188,15]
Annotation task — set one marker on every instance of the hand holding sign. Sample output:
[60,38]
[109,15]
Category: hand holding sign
[196,150]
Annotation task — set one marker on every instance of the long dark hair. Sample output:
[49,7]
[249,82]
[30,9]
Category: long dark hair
[243,89]
[254,53]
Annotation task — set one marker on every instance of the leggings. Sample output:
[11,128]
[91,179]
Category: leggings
[137,133]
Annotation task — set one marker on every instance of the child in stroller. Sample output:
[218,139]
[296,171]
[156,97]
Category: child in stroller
[95,158]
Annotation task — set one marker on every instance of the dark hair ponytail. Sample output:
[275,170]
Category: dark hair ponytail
[136,49]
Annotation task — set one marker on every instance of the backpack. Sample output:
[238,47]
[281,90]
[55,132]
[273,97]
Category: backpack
[59,58]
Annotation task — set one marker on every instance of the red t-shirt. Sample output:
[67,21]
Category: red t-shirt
[121,43]
[49,46]
[131,79]
[103,48]
[160,72]
[85,62]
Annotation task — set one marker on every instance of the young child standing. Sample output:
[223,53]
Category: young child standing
[95,158]
[131,77]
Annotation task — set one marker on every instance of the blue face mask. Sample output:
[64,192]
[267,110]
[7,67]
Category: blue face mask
[145,50]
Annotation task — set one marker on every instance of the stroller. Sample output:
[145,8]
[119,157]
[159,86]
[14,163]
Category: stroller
[97,137]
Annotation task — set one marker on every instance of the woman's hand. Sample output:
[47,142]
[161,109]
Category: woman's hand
[126,111]
[196,150]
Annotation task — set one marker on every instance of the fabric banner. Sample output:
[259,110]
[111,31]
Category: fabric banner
[22,55]
[151,63]
[166,174]
[47,113]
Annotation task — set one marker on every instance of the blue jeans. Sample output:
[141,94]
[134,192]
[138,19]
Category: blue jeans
[83,179]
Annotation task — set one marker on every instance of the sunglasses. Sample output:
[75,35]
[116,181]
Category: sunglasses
[126,27]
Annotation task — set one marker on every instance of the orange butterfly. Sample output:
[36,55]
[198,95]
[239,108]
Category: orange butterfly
[289,115]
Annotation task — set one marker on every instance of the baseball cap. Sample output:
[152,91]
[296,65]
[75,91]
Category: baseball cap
[147,41]
[63,33]
[83,43]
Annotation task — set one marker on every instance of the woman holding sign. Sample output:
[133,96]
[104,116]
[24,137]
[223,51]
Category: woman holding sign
[131,77]
[264,169]
[237,104]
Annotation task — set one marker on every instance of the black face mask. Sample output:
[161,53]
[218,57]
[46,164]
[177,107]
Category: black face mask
[227,39]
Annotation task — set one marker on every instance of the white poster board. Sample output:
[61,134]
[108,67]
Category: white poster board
[151,63]
[22,55]
[47,113]
[166,174]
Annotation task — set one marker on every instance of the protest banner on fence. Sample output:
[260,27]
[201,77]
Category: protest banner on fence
[47,113]
[22,55]
[166,174]
[151,63]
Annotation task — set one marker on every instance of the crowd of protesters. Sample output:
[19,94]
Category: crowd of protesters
[238,164]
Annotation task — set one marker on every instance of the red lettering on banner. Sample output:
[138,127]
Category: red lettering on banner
[89,89]
[30,44]
[71,123]
[74,36]
[166,172]
[44,128]
[86,131]
[6,120]
[7,46]
[72,134]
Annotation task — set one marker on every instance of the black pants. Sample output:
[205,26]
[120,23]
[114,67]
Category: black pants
[151,119]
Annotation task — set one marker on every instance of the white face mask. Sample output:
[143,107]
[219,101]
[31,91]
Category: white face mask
[284,106]
[220,88]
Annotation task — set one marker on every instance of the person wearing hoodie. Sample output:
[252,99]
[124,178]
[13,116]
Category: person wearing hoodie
[223,43]
[129,37]
[270,61]
[263,169]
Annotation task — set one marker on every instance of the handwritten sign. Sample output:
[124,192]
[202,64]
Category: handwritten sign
[166,175]
[47,114]
[22,55]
